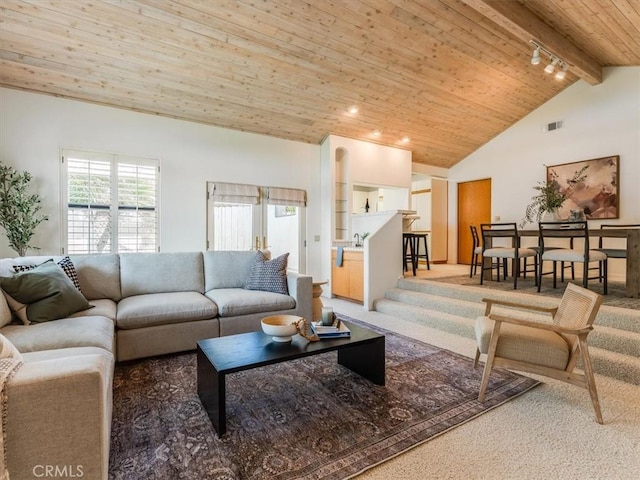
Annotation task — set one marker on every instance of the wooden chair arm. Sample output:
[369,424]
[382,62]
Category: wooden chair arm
[490,302]
[542,326]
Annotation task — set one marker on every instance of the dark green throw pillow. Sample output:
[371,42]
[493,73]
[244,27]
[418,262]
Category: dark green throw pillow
[46,291]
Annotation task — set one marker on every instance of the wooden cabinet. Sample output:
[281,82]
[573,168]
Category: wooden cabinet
[348,280]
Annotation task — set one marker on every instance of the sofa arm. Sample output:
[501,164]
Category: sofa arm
[59,418]
[300,288]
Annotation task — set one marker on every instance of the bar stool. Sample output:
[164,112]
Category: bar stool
[408,242]
[416,238]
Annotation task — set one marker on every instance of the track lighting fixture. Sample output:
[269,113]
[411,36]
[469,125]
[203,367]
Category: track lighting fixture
[554,60]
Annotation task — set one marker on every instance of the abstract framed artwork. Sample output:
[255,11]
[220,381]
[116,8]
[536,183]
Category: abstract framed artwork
[597,194]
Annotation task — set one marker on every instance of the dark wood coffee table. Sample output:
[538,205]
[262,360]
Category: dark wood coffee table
[362,353]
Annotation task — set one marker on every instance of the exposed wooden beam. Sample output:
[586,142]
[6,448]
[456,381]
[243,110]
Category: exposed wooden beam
[524,24]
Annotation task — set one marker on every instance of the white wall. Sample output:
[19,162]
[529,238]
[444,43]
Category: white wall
[368,164]
[34,127]
[599,121]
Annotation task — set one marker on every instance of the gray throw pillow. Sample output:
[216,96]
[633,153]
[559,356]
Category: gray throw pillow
[268,275]
[46,291]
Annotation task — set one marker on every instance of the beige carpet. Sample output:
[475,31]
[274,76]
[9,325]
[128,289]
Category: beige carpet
[550,433]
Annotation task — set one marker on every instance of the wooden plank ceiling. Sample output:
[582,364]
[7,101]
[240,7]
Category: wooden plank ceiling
[448,74]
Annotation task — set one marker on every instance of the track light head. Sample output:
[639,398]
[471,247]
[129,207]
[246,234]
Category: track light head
[552,66]
[560,74]
[535,59]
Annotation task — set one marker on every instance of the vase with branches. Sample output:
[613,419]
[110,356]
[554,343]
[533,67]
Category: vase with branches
[19,209]
[550,196]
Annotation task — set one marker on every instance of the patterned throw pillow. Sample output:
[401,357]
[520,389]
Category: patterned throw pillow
[268,275]
[66,264]
[42,294]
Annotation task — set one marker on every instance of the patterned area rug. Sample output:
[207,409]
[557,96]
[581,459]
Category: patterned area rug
[305,419]
[614,298]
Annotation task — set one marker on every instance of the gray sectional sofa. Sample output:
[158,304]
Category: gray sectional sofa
[58,404]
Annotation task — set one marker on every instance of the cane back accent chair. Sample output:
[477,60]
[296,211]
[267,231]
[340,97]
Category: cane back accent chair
[538,346]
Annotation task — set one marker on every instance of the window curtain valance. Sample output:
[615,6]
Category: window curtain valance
[287,196]
[236,193]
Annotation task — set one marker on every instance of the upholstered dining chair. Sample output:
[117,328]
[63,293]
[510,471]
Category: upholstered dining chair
[538,346]
[583,254]
[508,231]
[476,251]
[612,252]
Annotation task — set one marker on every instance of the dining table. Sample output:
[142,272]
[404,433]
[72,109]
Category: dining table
[632,235]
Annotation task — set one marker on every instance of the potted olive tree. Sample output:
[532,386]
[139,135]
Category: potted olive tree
[550,197]
[19,209]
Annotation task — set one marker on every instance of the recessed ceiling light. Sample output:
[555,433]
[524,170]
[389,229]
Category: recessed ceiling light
[405,139]
[353,109]
[377,133]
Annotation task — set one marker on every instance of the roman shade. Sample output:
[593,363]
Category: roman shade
[287,196]
[235,193]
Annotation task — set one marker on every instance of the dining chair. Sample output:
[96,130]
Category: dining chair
[476,251]
[612,252]
[508,231]
[584,255]
[518,338]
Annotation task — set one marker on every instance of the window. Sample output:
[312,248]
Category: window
[112,203]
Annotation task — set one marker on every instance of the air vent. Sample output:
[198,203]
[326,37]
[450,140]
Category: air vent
[549,127]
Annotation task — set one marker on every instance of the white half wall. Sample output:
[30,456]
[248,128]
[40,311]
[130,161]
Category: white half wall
[33,129]
[598,121]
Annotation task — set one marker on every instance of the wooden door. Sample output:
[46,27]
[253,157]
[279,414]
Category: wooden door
[474,208]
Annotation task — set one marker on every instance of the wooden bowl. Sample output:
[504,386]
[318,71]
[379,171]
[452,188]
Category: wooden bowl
[280,327]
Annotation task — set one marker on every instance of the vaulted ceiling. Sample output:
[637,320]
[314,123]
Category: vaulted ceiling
[448,74]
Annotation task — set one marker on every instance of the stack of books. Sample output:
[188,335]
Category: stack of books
[340,330]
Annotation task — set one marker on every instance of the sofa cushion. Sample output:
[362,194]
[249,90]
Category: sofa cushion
[145,273]
[5,312]
[64,333]
[104,307]
[268,275]
[65,263]
[46,291]
[98,275]
[238,301]
[32,357]
[226,269]
[161,308]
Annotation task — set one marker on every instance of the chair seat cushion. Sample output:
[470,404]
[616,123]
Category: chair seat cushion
[569,255]
[502,252]
[526,344]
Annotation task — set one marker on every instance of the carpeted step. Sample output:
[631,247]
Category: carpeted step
[455,306]
[604,337]
[615,340]
[615,365]
[447,322]
[614,343]
[614,317]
